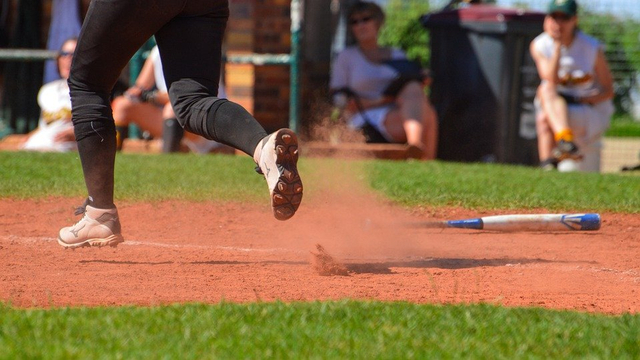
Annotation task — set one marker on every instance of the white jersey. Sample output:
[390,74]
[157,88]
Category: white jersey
[577,78]
[577,63]
[55,117]
[54,101]
[158,75]
[368,80]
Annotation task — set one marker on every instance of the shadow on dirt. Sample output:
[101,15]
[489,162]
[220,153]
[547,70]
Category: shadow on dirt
[125,262]
[444,263]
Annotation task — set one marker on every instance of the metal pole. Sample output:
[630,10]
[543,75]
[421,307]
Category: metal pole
[294,66]
[27,55]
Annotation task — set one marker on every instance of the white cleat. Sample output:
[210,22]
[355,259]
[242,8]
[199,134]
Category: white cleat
[278,165]
[98,227]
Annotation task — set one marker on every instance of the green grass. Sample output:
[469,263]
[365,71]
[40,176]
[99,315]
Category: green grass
[225,178]
[344,329]
[623,126]
[491,186]
[137,177]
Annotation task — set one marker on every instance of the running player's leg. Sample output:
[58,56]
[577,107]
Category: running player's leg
[111,33]
[190,46]
[191,49]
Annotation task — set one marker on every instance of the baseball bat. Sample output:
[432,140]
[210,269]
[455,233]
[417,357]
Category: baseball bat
[533,222]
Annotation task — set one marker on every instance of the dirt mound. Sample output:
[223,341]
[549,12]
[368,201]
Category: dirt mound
[325,265]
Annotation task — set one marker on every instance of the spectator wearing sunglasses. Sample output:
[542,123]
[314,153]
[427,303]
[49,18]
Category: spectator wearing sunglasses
[574,100]
[55,130]
[362,73]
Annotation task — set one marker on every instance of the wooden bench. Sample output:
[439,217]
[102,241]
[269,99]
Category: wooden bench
[354,150]
[308,148]
[12,142]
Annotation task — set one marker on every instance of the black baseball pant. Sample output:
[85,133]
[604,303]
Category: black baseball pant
[189,35]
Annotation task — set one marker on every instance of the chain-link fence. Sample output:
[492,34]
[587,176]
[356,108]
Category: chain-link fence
[616,23]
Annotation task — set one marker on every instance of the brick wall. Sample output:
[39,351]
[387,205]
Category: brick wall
[271,88]
[239,78]
[239,36]
[263,26]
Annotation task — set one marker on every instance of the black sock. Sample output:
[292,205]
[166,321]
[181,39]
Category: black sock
[97,150]
[172,134]
[122,132]
[215,119]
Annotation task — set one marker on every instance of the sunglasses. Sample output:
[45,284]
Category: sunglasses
[362,20]
[65,54]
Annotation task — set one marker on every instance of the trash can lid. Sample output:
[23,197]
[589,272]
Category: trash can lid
[485,13]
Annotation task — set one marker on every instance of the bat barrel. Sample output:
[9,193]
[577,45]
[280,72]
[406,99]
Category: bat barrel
[531,222]
[543,222]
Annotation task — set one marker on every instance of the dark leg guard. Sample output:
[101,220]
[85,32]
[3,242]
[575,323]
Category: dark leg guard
[215,119]
[97,149]
[122,132]
[172,134]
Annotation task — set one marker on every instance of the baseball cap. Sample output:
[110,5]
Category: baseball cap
[569,7]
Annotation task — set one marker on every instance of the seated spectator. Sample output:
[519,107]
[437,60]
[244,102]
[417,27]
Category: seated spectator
[55,130]
[386,110]
[147,105]
[573,102]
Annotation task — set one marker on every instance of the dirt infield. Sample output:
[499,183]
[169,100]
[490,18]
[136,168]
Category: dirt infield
[206,252]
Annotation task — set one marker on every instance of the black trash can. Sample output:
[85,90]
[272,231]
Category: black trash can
[484,83]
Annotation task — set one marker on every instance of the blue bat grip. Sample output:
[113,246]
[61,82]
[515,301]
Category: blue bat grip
[466,224]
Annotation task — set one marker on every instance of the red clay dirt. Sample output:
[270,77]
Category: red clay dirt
[178,252]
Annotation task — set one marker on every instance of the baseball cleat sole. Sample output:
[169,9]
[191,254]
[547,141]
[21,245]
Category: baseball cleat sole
[112,241]
[287,194]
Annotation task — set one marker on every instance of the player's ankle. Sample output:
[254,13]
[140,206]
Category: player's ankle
[258,150]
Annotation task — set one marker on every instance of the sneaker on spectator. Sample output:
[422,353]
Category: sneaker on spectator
[98,227]
[278,164]
[414,152]
[549,164]
[565,150]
